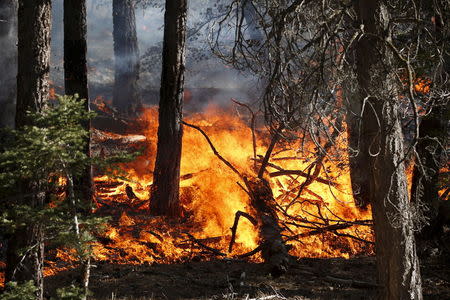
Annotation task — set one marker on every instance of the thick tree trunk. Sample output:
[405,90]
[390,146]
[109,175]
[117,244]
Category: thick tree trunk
[76,82]
[126,97]
[166,182]
[359,139]
[397,263]
[75,72]
[34,20]
[8,61]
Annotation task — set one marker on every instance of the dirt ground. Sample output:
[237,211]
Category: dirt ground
[226,279]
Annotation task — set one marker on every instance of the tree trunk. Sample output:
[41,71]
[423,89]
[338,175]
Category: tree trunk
[8,61]
[75,73]
[34,20]
[273,248]
[76,82]
[397,263]
[166,182]
[360,160]
[126,97]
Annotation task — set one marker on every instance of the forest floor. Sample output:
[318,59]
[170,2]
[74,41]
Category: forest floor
[307,278]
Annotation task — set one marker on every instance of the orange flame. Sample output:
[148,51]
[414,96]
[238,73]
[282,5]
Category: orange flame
[211,197]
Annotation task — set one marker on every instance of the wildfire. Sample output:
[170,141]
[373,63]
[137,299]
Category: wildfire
[321,221]
[211,196]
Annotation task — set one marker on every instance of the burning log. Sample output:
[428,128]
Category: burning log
[273,247]
[274,251]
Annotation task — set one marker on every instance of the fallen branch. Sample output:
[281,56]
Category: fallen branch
[251,253]
[196,241]
[320,230]
[303,174]
[235,225]
[353,283]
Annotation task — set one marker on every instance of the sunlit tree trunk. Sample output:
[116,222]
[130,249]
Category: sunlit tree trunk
[397,262]
[8,61]
[126,97]
[166,182]
[34,27]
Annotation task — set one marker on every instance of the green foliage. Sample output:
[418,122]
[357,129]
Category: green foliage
[40,161]
[15,291]
[71,292]
[52,146]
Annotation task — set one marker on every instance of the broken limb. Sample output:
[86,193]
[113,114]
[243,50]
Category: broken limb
[235,225]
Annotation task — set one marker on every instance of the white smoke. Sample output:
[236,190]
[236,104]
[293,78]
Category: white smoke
[8,62]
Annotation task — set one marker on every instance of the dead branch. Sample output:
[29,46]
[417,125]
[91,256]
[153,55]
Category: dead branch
[235,225]
[320,230]
[275,138]
[196,241]
[252,125]
[251,253]
[226,162]
[303,174]
[353,237]
[283,172]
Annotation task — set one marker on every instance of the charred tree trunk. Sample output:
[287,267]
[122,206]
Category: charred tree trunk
[397,262]
[166,182]
[273,247]
[126,97]
[34,20]
[76,82]
[360,160]
[8,61]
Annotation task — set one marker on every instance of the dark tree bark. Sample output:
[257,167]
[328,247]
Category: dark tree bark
[76,82]
[8,61]
[273,248]
[75,72]
[360,160]
[126,97]
[166,182]
[34,20]
[397,262]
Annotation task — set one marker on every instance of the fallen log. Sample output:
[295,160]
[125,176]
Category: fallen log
[273,247]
